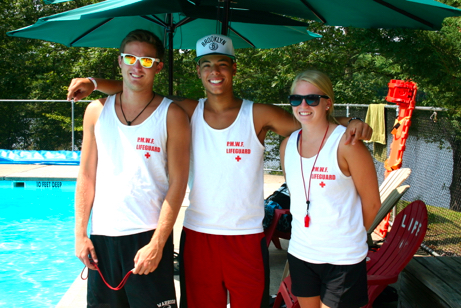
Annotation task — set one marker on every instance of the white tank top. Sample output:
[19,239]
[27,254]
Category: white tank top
[336,233]
[132,175]
[226,179]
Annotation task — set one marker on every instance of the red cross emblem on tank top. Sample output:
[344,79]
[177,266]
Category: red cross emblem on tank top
[238,158]
[147,155]
[322,184]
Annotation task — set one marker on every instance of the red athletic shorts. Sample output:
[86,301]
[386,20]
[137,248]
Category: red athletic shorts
[213,265]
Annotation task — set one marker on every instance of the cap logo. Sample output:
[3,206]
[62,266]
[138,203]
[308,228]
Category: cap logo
[213,46]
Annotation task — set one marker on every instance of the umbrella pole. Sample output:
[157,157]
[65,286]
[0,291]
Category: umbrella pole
[170,54]
[225,21]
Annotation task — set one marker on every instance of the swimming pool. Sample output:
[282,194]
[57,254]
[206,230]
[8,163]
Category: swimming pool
[37,262]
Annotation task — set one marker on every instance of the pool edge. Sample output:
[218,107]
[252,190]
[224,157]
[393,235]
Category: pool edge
[75,296]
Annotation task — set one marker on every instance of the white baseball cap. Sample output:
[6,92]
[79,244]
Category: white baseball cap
[214,44]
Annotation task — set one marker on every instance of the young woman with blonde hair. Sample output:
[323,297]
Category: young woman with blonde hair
[334,199]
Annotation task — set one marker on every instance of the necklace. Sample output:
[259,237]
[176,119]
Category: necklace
[307,193]
[129,122]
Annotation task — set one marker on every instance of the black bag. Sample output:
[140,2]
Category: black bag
[281,196]
[280,199]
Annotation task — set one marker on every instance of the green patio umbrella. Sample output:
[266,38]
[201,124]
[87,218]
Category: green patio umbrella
[105,24]
[413,14]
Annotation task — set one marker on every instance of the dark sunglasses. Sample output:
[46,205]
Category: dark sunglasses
[311,99]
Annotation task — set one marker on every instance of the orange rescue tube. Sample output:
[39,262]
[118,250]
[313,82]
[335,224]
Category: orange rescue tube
[402,93]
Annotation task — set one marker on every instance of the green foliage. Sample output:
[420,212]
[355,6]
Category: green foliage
[185,81]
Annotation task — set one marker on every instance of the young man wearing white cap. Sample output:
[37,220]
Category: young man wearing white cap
[222,246]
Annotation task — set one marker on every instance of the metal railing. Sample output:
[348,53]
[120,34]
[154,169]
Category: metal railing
[387,106]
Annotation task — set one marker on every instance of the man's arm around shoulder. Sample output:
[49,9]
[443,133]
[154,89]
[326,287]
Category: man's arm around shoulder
[269,117]
[356,129]
[80,88]
[178,154]
[86,180]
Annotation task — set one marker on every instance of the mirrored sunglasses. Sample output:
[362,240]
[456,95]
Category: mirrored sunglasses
[311,99]
[146,62]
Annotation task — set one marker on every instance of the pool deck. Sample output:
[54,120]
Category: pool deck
[38,172]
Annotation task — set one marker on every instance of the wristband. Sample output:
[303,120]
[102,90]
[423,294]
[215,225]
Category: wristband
[94,82]
[354,118]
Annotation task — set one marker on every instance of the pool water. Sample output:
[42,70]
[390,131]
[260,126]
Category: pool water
[37,261]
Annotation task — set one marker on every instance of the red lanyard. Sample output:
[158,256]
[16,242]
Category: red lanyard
[308,192]
[120,286]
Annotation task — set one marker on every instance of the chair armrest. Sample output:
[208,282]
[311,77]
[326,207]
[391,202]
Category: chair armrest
[280,212]
[382,280]
[269,232]
[387,205]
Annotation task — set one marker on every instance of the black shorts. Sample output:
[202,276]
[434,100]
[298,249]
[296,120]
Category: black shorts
[115,259]
[337,285]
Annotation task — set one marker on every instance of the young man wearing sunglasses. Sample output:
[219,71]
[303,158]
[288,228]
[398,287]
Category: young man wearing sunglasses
[132,179]
[222,246]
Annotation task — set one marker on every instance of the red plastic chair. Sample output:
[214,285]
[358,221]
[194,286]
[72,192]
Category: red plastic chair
[272,234]
[384,266]
[284,295]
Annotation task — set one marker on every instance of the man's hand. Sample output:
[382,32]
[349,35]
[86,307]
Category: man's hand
[79,88]
[147,259]
[83,248]
[357,130]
